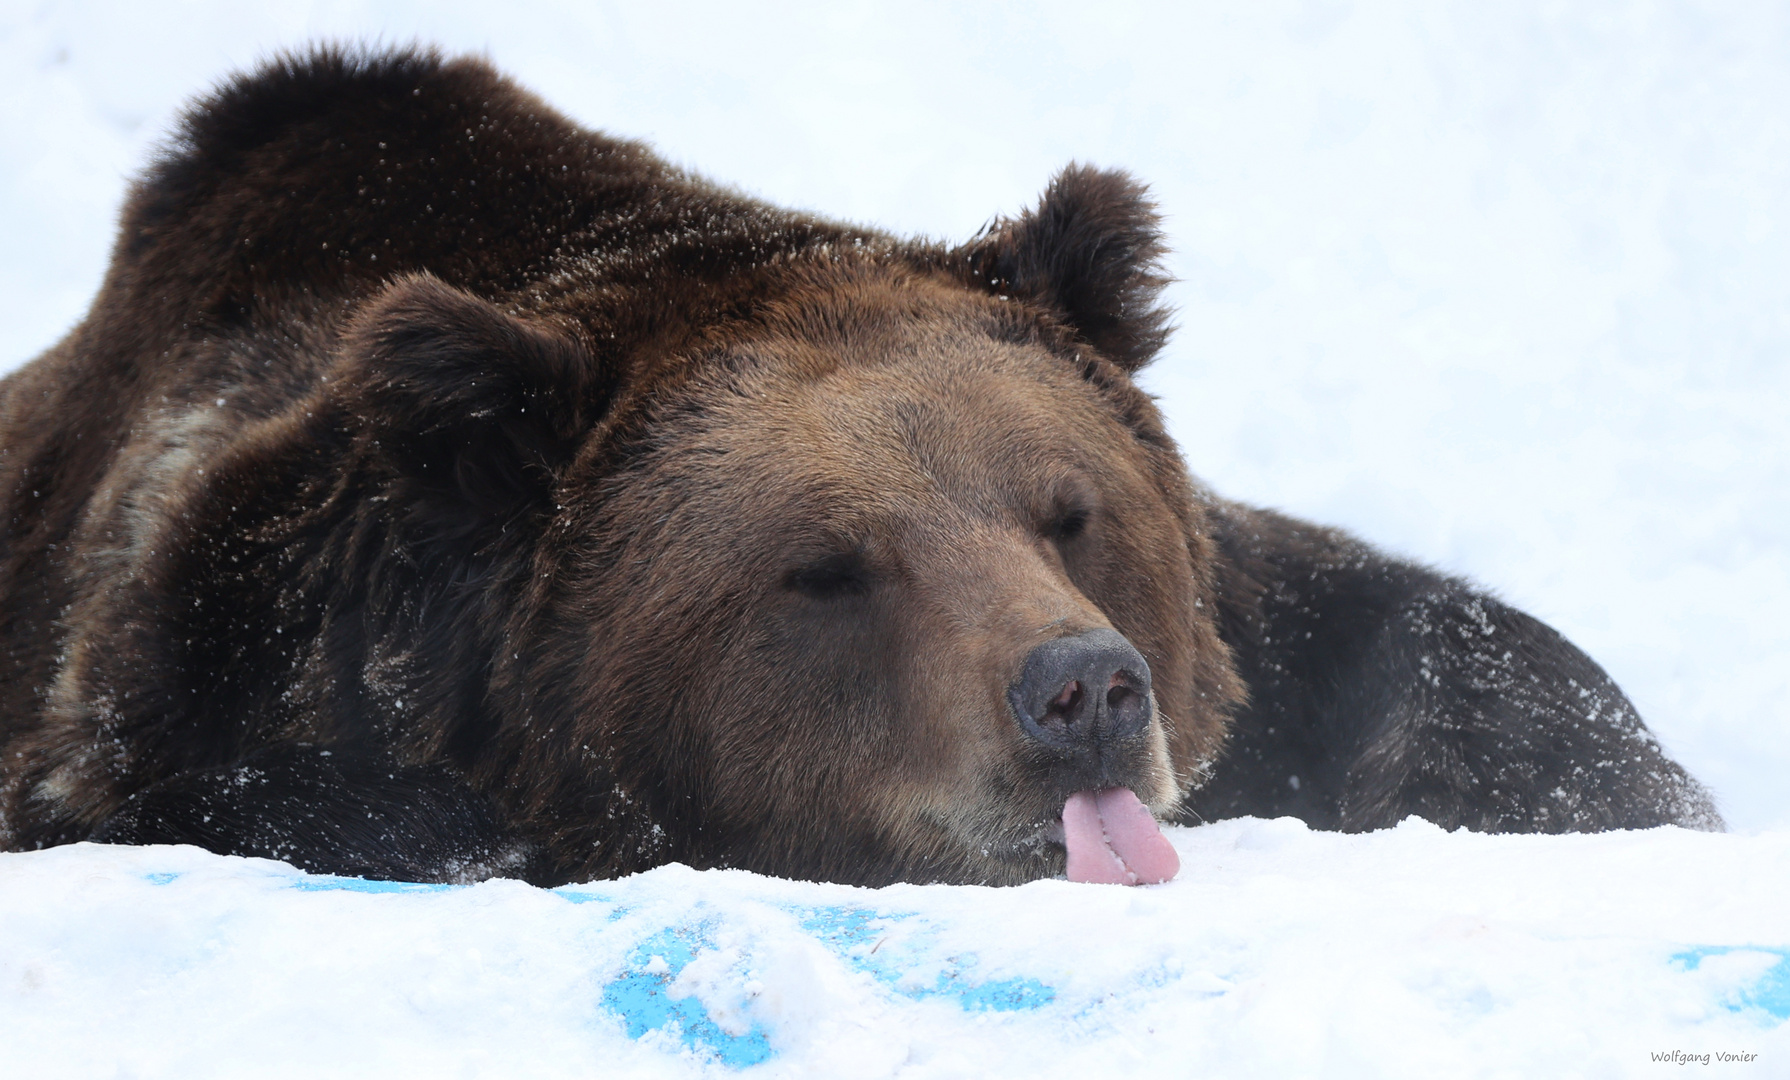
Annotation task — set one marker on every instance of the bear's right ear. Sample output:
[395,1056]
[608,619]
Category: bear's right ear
[1091,252]
[471,403]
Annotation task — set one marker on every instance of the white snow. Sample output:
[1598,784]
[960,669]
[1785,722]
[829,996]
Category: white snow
[1503,287]
[1278,952]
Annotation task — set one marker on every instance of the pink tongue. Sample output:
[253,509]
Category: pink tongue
[1112,838]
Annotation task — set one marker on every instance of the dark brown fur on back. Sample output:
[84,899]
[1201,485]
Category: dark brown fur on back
[429,461]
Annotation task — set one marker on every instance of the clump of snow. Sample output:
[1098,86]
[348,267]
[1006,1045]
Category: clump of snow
[1277,952]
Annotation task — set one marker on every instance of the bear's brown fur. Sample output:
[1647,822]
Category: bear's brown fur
[439,489]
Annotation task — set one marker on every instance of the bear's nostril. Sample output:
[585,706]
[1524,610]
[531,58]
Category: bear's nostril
[1066,701]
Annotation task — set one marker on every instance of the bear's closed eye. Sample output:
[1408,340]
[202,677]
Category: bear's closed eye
[831,576]
[1067,524]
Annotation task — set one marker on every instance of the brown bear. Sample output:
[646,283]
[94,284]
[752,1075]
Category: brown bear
[438,489]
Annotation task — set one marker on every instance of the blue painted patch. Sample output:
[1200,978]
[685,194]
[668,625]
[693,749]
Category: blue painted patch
[567,893]
[641,997]
[574,894]
[330,883]
[845,929]
[857,936]
[1000,995]
[1769,993]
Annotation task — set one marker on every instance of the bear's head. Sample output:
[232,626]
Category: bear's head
[859,580]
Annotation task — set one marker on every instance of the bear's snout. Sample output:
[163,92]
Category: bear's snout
[1081,694]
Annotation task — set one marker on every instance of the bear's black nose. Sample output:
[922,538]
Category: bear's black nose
[1082,692]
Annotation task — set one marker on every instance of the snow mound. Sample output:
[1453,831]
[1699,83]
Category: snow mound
[1277,952]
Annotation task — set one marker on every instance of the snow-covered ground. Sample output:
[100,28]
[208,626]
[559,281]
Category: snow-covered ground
[1278,952]
[1504,287]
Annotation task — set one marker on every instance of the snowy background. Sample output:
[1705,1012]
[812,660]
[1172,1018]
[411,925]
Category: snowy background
[1502,287]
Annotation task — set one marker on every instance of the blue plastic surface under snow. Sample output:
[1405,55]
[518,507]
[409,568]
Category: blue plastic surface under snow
[900,951]
[643,998]
[855,934]
[1769,993]
[890,947]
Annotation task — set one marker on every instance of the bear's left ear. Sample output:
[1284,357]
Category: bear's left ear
[473,405]
[1092,251]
